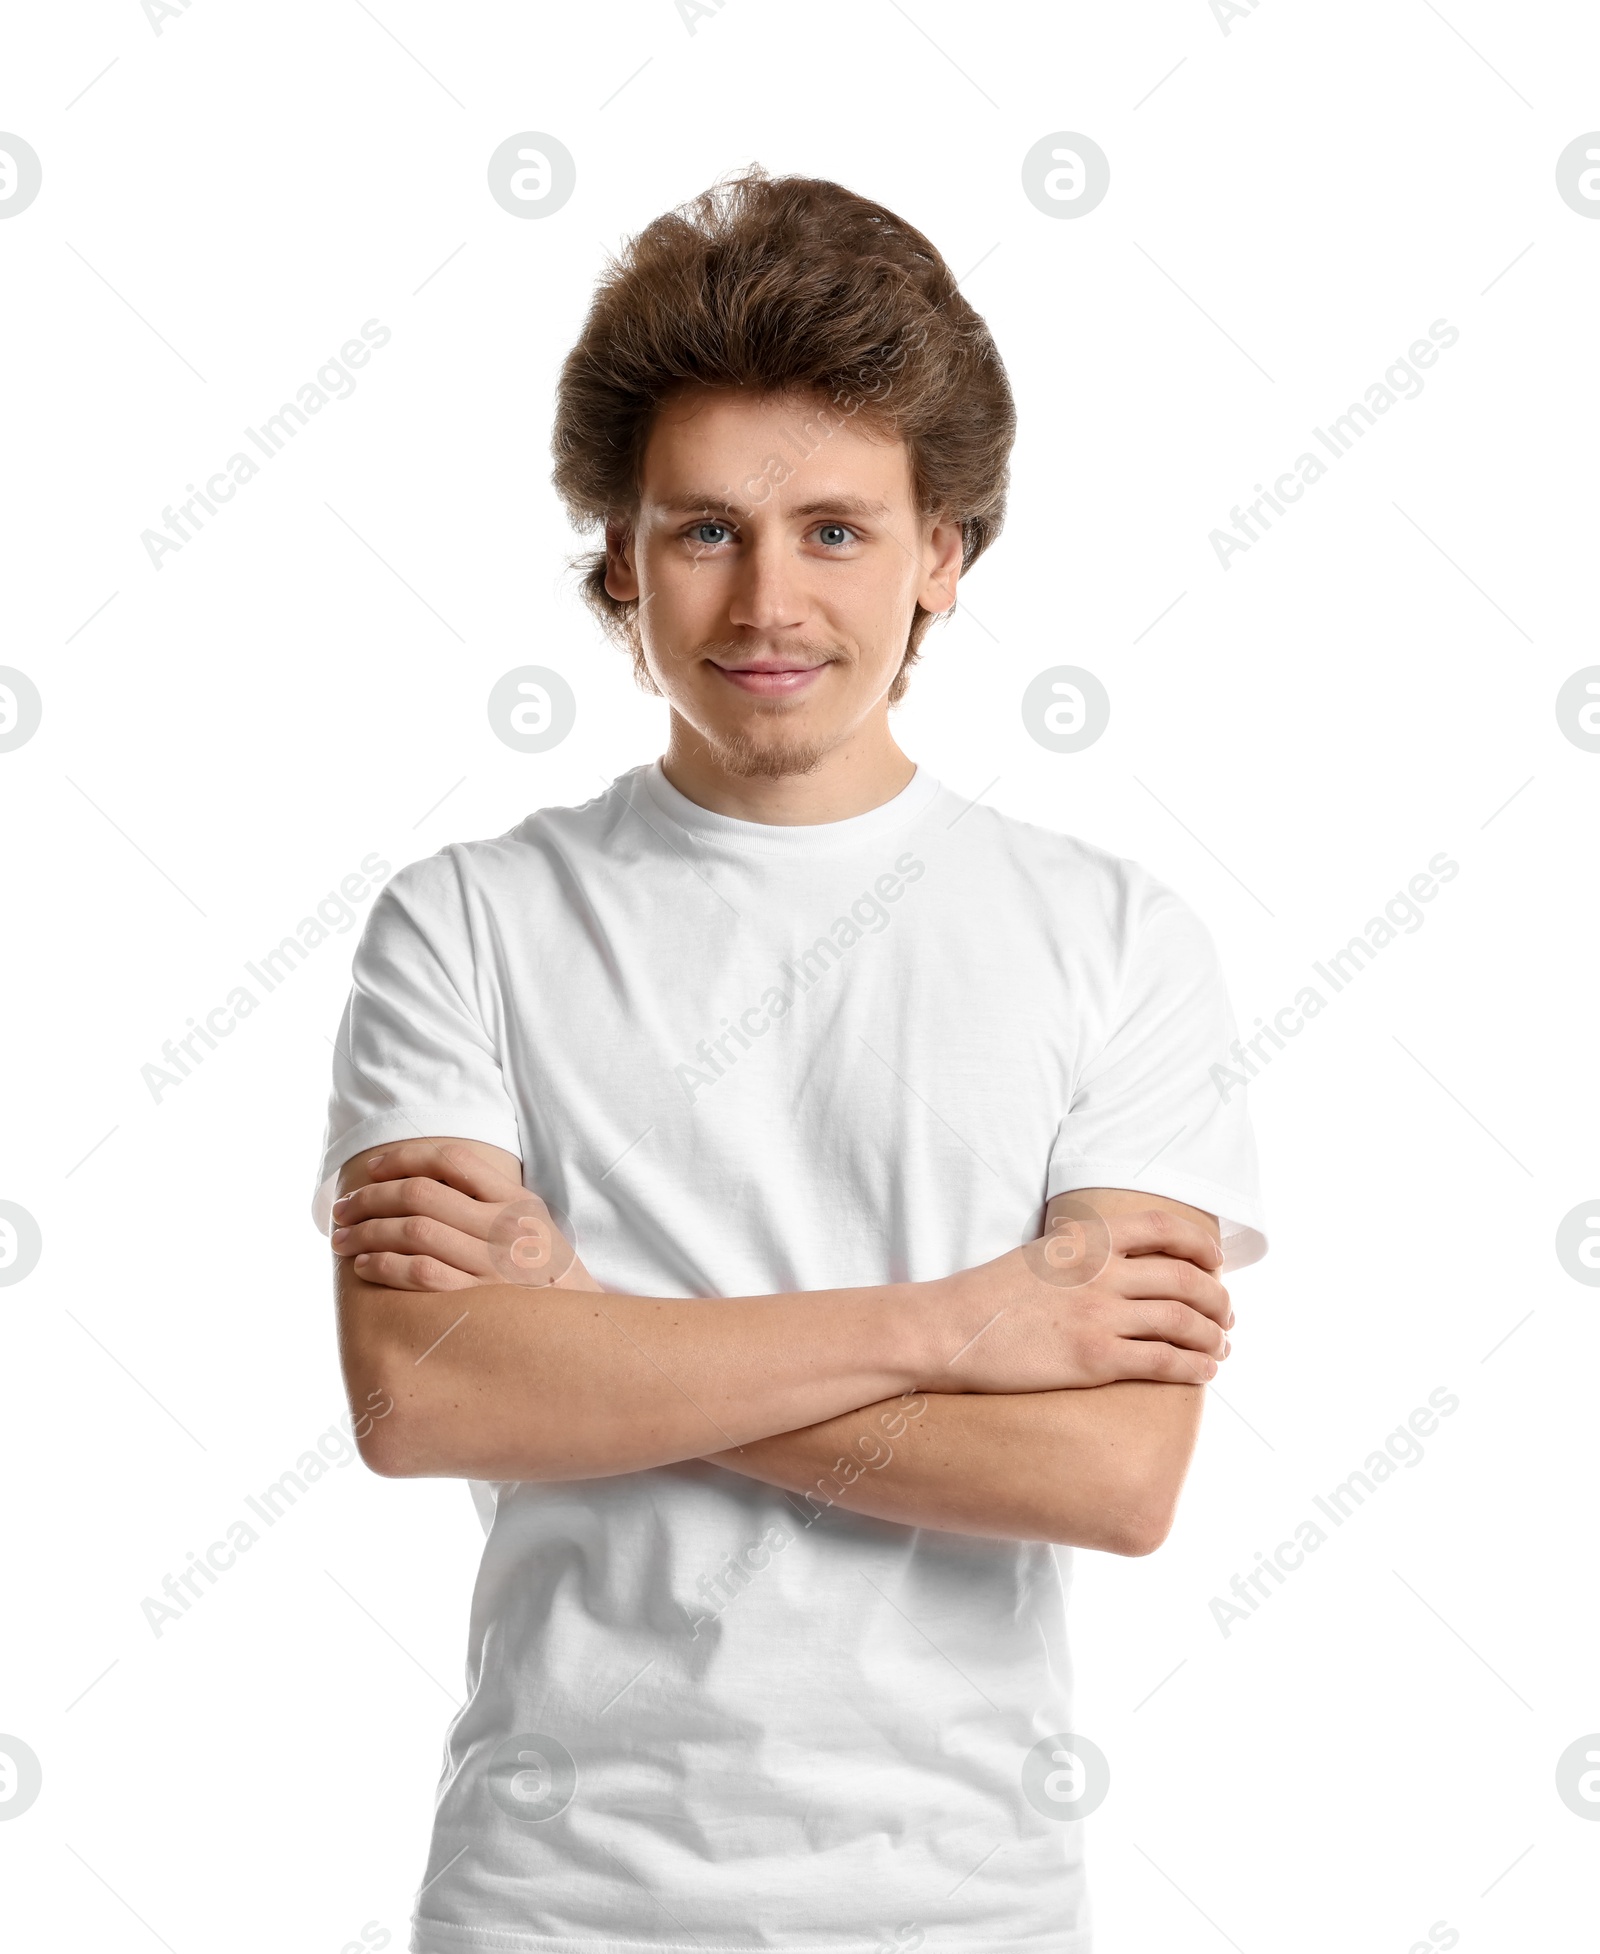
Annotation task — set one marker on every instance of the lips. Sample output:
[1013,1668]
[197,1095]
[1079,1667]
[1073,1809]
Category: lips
[771,680]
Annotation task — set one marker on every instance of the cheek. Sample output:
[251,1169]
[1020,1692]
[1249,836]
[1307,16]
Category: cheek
[675,581]
[886,601]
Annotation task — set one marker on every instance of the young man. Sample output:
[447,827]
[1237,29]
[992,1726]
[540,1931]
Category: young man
[887,1187]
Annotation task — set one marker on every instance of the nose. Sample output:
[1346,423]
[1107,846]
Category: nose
[766,592]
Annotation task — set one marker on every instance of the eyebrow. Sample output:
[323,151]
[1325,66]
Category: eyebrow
[690,502]
[842,505]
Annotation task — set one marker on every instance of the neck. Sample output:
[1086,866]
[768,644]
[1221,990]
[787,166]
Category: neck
[859,774]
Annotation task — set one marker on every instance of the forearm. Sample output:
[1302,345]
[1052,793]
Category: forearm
[1099,1467]
[551,1381]
[507,1382]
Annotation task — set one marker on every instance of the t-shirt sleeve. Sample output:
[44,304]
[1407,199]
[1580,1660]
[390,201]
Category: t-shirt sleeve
[1159,1106]
[413,1055]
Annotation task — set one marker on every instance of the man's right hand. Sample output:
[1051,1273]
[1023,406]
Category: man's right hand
[527,1380]
[1132,1298]
[1025,1322]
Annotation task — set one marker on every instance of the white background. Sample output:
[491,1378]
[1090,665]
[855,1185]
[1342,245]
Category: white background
[1373,682]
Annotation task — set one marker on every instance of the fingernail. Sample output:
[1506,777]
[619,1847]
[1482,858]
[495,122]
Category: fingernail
[362,1258]
[1226,1346]
[341,1204]
[376,1160]
[340,1235]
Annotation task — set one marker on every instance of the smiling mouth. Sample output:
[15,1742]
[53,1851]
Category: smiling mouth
[771,680]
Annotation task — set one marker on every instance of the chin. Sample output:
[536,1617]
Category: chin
[771,754]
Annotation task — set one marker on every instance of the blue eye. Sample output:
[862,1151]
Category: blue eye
[832,534]
[696,535]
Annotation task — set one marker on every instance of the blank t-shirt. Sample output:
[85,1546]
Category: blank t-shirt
[739,1059]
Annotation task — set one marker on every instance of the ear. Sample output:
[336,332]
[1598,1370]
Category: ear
[622,580]
[941,558]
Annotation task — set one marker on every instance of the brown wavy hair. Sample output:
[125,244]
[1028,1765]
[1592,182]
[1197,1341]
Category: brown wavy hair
[783,285]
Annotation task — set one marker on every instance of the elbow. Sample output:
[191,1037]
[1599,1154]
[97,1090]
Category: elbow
[377,1424]
[405,1432]
[381,1444]
[1145,1524]
[381,1388]
[392,1445]
[1142,1535]
[386,1454]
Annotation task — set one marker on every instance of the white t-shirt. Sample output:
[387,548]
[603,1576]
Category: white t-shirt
[739,1059]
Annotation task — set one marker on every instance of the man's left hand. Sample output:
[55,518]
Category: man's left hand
[434,1217]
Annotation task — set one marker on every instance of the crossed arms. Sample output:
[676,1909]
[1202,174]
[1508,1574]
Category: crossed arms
[993,1401]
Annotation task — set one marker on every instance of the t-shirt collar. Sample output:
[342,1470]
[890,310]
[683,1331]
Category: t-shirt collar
[809,838]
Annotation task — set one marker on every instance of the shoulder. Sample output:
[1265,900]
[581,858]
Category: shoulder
[1082,885]
[459,876]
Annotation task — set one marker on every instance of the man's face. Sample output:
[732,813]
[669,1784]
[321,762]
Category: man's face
[778,558]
